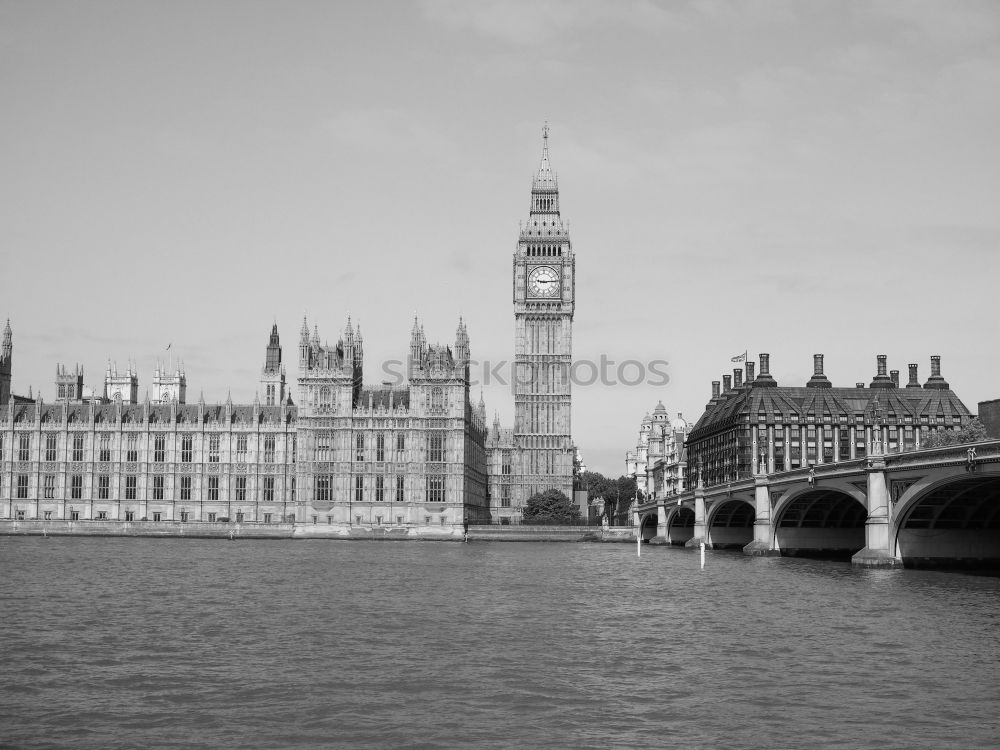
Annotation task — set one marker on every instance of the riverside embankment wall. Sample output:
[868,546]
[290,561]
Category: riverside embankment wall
[200,530]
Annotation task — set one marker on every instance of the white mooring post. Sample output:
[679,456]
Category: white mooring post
[638,544]
[703,555]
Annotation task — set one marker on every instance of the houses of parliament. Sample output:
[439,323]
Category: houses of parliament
[332,450]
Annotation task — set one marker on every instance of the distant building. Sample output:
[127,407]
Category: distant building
[658,461]
[757,426]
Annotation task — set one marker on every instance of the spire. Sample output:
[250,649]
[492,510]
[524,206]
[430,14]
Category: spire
[272,358]
[304,333]
[7,337]
[462,353]
[545,179]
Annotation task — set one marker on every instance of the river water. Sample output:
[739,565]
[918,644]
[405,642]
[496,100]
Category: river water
[152,643]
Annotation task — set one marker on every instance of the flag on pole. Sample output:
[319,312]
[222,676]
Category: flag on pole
[739,358]
[170,345]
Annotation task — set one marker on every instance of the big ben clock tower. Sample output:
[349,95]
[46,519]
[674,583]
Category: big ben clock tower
[544,298]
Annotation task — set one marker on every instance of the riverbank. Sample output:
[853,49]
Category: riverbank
[231,530]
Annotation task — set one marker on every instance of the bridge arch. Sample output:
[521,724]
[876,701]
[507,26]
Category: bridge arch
[680,525]
[822,522]
[647,526]
[954,522]
[729,523]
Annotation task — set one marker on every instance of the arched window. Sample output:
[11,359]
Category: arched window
[437,400]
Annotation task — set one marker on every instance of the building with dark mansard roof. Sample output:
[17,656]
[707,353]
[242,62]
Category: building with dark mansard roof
[756,424]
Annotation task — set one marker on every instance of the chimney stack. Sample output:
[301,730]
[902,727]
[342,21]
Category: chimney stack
[715,390]
[935,380]
[882,379]
[750,369]
[859,385]
[894,376]
[737,378]
[727,383]
[914,380]
[818,380]
[765,379]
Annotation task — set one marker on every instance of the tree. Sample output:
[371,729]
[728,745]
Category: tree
[550,507]
[973,432]
[617,494]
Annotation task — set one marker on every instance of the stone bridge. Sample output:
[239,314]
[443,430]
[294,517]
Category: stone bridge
[933,507]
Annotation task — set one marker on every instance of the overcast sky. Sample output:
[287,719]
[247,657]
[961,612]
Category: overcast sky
[789,177]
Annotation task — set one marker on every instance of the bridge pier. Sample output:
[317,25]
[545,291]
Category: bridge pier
[763,532]
[878,552]
[661,525]
[700,527]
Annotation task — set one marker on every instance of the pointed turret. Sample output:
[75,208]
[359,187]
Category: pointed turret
[462,354]
[348,339]
[415,350]
[304,343]
[6,363]
[272,360]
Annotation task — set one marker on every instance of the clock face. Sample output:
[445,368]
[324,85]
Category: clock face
[543,282]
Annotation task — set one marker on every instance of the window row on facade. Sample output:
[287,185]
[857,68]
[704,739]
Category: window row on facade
[155,487]
[379,447]
[151,447]
[380,488]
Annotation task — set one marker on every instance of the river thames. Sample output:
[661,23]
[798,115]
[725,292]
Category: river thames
[272,644]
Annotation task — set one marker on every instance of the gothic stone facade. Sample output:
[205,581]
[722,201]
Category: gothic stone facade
[404,457]
[409,456]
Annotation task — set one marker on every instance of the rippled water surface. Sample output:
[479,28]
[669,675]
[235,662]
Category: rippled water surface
[271,644]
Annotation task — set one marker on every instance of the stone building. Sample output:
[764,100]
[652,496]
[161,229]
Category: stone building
[410,457]
[388,455]
[658,462]
[754,424]
[538,454]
